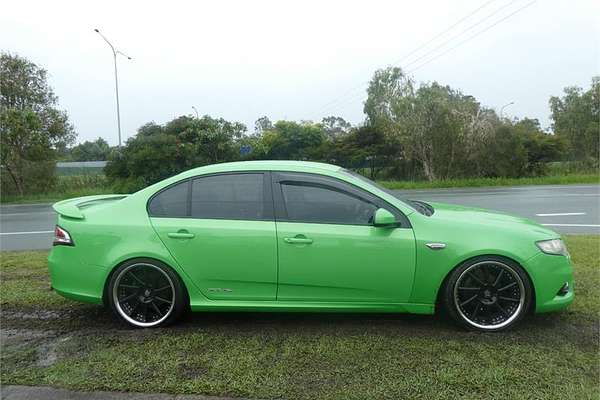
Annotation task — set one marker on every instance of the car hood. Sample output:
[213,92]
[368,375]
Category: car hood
[480,216]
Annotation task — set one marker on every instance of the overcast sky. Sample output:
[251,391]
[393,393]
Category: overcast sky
[299,60]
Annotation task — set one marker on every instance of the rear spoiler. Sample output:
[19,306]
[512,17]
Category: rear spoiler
[72,208]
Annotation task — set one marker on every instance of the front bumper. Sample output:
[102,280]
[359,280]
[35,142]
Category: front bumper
[549,274]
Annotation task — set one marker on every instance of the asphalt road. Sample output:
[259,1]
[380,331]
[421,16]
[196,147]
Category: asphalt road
[565,209]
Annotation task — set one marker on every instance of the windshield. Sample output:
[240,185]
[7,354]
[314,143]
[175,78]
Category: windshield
[378,186]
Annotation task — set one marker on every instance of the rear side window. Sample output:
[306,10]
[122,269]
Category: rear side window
[230,196]
[171,202]
[321,204]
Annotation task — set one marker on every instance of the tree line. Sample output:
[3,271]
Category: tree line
[411,131]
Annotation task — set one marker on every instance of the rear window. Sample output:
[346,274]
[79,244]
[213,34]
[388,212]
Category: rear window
[171,202]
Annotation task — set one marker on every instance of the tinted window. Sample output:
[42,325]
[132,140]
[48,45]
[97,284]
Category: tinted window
[171,202]
[234,196]
[320,204]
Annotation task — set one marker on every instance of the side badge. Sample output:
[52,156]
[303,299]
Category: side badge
[436,246]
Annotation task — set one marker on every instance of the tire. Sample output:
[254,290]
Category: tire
[145,293]
[487,294]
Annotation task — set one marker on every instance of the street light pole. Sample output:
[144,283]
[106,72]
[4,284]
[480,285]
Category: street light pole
[115,52]
[503,107]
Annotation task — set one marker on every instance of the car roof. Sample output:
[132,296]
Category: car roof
[266,165]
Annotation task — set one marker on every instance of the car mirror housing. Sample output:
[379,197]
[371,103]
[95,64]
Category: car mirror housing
[384,218]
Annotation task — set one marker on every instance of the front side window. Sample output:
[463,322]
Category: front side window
[171,202]
[230,196]
[322,204]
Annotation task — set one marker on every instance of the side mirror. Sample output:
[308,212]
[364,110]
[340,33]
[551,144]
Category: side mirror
[384,218]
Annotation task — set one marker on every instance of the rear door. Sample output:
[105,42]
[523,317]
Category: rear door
[220,229]
[329,250]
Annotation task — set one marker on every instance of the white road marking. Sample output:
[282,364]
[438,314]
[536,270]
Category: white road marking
[12,214]
[582,225]
[560,214]
[25,233]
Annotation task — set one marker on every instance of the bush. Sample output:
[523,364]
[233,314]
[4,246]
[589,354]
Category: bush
[39,177]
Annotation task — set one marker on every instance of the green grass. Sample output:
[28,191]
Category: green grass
[482,182]
[55,342]
[66,187]
[53,196]
[77,186]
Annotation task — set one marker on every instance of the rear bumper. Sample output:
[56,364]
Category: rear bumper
[72,278]
[549,274]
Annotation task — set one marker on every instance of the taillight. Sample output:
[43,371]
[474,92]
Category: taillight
[61,237]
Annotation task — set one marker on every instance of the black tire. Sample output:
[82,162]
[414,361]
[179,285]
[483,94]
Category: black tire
[487,294]
[145,293]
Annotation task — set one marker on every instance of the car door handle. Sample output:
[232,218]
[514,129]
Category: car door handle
[182,234]
[297,240]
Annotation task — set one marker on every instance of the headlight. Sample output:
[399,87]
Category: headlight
[553,246]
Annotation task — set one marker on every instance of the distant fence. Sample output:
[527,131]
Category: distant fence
[80,167]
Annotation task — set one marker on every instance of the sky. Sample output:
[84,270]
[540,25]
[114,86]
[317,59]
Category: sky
[297,60]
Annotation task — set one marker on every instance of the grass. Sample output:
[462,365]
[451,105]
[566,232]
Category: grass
[51,341]
[482,182]
[66,187]
[86,185]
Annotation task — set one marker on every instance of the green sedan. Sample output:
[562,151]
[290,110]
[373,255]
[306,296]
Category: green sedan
[301,236]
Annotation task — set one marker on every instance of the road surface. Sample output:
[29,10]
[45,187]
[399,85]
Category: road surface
[565,209]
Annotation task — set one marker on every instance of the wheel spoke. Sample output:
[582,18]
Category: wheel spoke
[476,278]
[507,286]
[162,288]
[136,278]
[498,278]
[470,299]
[134,308]
[163,300]
[475,311]
[128,297]
[502,310]
[160,314]
[123,285]
[509,299]
[469,288]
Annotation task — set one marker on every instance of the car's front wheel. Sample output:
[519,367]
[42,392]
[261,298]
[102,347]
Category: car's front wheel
[145,293]
[487,294]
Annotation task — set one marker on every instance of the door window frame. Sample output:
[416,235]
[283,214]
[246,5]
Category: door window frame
[331,183]
[268,212]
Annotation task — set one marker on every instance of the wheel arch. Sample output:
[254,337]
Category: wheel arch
[438,299]
[147,259]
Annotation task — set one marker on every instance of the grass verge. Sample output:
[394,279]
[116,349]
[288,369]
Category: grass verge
[50,341]
[68,191]
[482,182]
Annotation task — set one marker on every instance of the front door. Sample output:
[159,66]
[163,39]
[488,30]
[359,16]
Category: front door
[220,229]
[329,250]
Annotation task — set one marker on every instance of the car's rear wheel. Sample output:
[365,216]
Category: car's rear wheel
[146,293]
[487,294]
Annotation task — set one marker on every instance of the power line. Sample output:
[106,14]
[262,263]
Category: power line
[415,50]
[349,99]
[461,33]
[473,36]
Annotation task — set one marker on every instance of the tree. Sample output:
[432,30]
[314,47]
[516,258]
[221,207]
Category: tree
[157,152]
[365,147]
[262,124]
[434,124]
[335,126]
[576,118]
[541,147]
[31,125]
[97,150]
[289,140]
